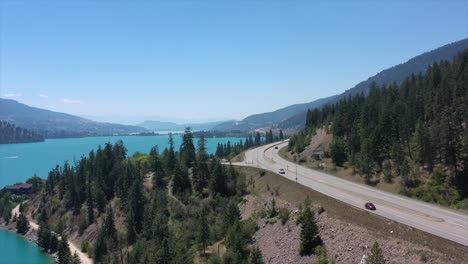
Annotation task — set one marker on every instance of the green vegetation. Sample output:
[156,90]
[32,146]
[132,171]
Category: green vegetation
[156,208]
[6,205]
[321,255]
[22,223]
[415,131]
[230,150]
[310,237]
[10,134]
[376,255]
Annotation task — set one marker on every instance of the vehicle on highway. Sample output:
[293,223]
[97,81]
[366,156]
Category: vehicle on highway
[276,147]
[282,171]
[370,206]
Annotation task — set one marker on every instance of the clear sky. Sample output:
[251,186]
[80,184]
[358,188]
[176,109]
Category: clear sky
[204,60]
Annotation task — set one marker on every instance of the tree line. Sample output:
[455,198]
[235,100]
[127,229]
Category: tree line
[416,130]
[229,150]
[10,134]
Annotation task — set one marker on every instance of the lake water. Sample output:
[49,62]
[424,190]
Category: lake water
[16,249]
[21,161]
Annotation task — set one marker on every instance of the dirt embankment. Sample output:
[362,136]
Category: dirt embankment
[347,232]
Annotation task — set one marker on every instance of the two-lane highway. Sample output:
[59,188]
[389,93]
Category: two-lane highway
[430,218]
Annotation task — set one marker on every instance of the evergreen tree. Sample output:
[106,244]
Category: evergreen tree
[100,248]
[89,203]
[376,255]
[158,172]
[257,139]
[203,229]
[108,227]
[310,237]
[256,256]
[218,179]
[187,149]
[181,182]
[43,237]
[64,255]
[201,173]
[75,259]
[338,151]
[135,210]
[22,224]
[281,136]
[171,158]
[53,243]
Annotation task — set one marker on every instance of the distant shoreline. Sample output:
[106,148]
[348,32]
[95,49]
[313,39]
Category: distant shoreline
[146,134]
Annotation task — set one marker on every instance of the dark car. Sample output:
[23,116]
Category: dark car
[276,147]
[370,206]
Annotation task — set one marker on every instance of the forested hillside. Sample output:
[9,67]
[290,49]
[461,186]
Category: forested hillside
[416,131]
[156,208]
[58,125]
[10,134]
[293,116]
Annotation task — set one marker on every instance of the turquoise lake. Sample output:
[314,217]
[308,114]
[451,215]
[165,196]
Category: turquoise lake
[18,250]
[21,161]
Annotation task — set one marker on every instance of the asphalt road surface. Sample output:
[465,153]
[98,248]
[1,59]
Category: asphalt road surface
[430,218]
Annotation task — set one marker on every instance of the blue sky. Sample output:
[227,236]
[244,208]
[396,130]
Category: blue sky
[204,60]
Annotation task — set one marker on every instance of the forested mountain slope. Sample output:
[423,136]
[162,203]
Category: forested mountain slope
[10,134]
[416,131]
[57,125]
[156,208]
[294,116]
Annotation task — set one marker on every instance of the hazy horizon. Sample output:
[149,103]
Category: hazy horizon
[207,60]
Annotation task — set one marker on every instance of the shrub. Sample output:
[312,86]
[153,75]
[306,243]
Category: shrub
[272,211]
[284,215]
[248,228]
[85,246]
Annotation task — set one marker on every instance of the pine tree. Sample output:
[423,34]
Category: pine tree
[181,182]
[22,224]
[281,136]
[89,203]
[171,158]
[109,225]
[64,255]
[256,256]
[218,179]
[257,139]
[100,248]
[376,255]
[75,259]
[43,237]
[157,168]
[203,229]
[53,243]
[338,151]
[187,149]
[135,210]
[310,237]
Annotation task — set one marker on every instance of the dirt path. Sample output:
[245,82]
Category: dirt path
[73,248]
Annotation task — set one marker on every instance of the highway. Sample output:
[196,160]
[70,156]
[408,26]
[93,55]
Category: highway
[430,218]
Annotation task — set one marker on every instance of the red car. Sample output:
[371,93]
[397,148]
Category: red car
[370,206]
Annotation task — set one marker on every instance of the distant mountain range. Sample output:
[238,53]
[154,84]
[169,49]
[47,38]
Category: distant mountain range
[293,116]
[58,125]
[171,126]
